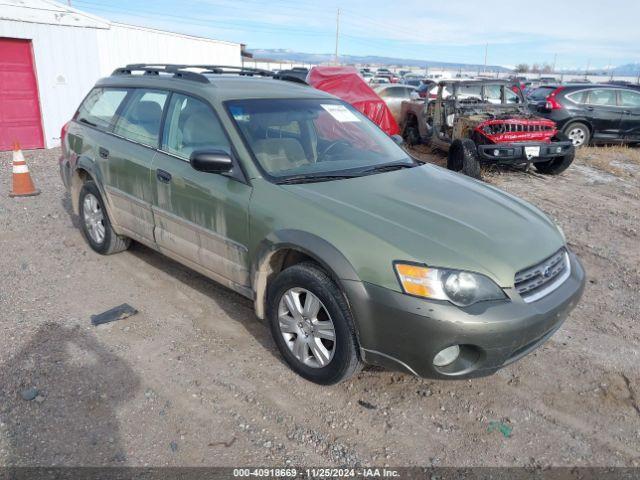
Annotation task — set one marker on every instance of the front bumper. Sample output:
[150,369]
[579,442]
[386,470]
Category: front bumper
[401,332]
[516,152]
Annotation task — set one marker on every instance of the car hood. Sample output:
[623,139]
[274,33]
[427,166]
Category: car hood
[444,219]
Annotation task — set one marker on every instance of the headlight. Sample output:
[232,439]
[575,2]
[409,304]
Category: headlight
[458,287]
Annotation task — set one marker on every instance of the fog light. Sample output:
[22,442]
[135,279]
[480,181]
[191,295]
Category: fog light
[496,153]
[558,149]
[446,356]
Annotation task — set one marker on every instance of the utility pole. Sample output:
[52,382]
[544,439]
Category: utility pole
[337,35]
[486,53]
[586,72]
[555,59]
[610,70]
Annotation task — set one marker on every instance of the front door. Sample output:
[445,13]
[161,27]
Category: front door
[630,103]
[201,219]
[128,158]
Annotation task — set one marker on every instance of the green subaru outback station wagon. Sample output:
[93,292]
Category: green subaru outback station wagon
[353,251]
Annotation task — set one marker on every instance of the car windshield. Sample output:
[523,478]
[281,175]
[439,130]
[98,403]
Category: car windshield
[313,138]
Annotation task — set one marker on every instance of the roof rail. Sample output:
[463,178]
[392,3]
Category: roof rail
[184,72]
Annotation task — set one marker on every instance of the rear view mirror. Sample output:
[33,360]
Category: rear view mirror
[211,161]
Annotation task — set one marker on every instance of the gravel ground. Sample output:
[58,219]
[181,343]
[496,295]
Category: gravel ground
[195,379]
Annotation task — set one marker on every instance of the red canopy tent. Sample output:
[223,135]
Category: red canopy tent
[346,84]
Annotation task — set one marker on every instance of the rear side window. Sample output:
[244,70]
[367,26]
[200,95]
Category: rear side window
[140,120]
[629,98]
[602,96]
[577,97]
[191,125]
[100,106]
[469,92]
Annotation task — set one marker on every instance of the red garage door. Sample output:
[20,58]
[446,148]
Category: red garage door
[19,104]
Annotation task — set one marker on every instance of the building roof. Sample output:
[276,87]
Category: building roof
[49,12]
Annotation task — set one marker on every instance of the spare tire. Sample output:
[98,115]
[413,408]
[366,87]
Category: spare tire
[463,157]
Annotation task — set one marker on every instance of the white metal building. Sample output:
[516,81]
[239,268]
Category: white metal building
[51,55]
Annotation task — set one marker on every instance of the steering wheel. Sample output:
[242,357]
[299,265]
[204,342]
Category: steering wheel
[333,145]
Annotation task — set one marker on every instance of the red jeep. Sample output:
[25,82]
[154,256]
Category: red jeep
[485,121]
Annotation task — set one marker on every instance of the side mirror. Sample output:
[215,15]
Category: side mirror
[398,139]
[211,161]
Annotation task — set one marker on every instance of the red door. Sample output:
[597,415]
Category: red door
[19,104]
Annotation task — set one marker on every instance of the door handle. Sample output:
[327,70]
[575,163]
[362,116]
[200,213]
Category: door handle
[590,109]
[163,176]
[104,153]
[626,112]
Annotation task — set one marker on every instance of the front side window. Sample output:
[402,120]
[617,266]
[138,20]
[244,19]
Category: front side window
[510,96]
[493,93]
[292,137]
[141,117]
[602,96]
[629,98]
[191,125]
[100,106]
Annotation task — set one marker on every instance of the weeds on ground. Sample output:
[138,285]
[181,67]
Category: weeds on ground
[619,160]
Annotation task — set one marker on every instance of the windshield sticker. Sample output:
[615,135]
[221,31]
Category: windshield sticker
[340,113]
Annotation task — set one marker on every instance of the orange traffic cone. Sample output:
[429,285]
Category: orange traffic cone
[22,184]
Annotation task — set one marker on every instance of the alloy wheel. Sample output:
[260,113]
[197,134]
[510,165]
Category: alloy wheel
[307,328]
[577,136]
[93,218]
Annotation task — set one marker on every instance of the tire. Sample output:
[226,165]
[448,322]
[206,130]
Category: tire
[578,133]
[110,241]
[559,164]
[412,134]
[310,278]
[463,157]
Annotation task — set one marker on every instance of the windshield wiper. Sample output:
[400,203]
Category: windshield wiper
[387,168]
[313,178]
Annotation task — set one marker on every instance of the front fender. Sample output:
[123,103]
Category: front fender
[268,259]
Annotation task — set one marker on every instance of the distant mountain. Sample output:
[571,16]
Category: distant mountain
[628,69]
[317,58]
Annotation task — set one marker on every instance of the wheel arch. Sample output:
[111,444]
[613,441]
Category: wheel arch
[85,170]
[288,247]
[581,120]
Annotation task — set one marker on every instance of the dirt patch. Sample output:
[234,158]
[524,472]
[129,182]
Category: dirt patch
[194,378]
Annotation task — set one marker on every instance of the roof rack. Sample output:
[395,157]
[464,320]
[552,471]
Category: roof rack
[183,72]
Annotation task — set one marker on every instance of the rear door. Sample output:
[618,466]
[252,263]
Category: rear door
[127,159]
[201,219]
[630,103]
[606,117]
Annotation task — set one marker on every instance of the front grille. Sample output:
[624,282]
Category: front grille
[535,282]
[508,127]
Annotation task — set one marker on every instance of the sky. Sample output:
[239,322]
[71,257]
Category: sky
[577,33]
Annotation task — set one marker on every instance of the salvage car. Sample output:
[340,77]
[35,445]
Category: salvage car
[394,95]
[485,121]
[589,113]
[350,249]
